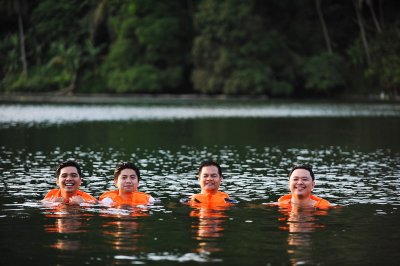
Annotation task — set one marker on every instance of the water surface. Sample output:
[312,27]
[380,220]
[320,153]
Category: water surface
[354,148]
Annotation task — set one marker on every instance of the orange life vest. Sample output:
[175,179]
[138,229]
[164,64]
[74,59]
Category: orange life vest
[136,198]
[320,203]
[210,200]
[56,193]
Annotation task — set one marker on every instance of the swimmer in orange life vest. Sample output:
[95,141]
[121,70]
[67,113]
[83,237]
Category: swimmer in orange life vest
[210,177]
[126,179]
[301,184]
[68,179]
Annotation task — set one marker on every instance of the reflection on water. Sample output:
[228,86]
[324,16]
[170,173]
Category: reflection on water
[58,114]
[66,221]
[208,228]
[123,231]
[70,221]
[355,151]
[122,235]
[301,223]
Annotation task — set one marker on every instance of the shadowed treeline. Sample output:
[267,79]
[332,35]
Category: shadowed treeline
[277,48]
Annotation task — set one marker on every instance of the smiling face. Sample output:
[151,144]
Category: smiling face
[209,179]
[69,180]
[127,181]
[301,183]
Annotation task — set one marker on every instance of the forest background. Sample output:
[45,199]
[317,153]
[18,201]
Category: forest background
[274,48]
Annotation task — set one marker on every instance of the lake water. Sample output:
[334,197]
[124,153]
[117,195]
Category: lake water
[354,149]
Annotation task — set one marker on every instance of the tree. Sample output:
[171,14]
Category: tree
[233,53]
[385,68]
[372,10]
[61,35]
[18,8]
[324,73]
[152,36]
[323,25]
[358,8]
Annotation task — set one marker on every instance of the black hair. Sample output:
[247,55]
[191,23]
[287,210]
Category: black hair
[66,164]
[305,167]
[126,165]
[210,163]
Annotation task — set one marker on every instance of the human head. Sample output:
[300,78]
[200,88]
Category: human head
[126,165]
[210,177]
[66,164]
[68,177]
[126,178]
[301,181]
[305,167]
[209,163]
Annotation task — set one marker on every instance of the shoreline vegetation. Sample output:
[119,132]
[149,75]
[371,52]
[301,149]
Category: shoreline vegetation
[181,98]
[229,49]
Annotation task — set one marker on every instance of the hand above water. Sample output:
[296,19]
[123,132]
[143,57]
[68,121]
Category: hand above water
[54,199]
[76,200]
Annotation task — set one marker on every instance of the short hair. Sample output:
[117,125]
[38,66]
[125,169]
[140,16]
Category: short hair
[209,163]
[126,165]
[67,164]
[305,167]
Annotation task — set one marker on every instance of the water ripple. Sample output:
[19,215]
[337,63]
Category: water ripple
[57,114]
[252,175]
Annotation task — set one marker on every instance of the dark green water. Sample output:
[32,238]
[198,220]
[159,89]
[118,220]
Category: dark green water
[355,153]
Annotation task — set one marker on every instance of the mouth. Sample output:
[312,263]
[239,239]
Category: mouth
[300,188]
[69,184]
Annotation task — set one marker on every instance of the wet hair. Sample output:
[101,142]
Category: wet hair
[305,167]
[126,165]
[67,164]
[209,163]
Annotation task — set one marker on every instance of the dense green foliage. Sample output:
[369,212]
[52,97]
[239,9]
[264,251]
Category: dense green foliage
[234,54]
[276,48]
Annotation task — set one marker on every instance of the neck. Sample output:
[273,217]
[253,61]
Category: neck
[302,201]
[209,192]
[66,195]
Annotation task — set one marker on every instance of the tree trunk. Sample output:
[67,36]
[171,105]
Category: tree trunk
[376,22]
[360,21]
[324,28]
[382,22]
[22,44]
